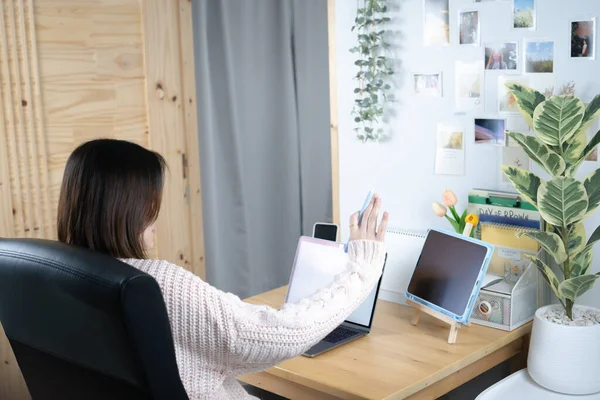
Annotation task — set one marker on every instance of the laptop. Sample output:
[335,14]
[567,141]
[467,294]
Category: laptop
[316,264]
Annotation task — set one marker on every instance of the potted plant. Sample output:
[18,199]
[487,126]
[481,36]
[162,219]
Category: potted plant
[564,354]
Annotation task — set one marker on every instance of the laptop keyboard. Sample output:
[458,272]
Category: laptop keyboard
[338,334]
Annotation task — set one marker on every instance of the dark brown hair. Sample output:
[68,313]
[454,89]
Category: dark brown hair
[111,192]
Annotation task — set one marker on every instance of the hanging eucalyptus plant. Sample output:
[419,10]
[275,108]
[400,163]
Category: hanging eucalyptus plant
[374,68]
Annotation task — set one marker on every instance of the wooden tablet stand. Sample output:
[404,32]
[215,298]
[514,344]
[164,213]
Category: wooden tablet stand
[454,325]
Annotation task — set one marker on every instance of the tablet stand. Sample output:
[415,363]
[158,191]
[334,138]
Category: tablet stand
[454,325]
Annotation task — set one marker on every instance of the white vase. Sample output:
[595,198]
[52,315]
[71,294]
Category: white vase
[564,359]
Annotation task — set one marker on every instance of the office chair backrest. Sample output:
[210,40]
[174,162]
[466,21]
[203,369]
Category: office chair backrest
[83,325]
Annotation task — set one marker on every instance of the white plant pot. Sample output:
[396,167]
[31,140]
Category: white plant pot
[564,359]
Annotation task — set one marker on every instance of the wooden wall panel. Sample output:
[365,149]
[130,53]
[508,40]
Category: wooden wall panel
[170,130]
[92,74]
[188,76]
[25,150]
[76,70]
[333,111]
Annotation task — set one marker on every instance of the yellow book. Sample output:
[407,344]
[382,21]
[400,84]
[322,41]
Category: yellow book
[508,245]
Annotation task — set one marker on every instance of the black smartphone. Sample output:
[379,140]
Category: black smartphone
[325,231]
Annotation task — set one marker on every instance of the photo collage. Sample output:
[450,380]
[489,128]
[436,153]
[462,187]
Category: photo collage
[528,61]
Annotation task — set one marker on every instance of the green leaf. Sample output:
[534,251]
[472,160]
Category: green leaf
[592,187]
[524,181]
[582,262]
[547,158]
[576,241]
[454,224]
[557,119]
[454,213]
[572,149]
[550,242]
[547,274]
[591,112]
[575,287]
[562,201]
[527,100]
[595,237]
[462,223]
[588,149]
[591,145]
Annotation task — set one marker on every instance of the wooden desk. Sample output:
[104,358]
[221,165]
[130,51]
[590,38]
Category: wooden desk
[395,361]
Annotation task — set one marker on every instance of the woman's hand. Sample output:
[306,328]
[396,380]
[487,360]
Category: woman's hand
[368,230]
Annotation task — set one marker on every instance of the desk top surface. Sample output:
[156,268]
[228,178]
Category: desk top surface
[396,359]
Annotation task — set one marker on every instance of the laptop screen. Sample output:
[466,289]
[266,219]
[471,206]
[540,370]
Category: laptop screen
[315,267]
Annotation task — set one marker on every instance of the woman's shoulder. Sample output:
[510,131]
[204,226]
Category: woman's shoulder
[160,269]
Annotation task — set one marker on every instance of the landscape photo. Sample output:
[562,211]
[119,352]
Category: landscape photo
[490,130]
[539,57]
[524,14]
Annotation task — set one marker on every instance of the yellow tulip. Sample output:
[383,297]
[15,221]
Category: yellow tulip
[472,219]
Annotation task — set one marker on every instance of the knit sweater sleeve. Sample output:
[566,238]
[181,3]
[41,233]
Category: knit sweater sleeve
[262,336]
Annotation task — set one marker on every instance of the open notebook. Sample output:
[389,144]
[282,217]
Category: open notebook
[403,248]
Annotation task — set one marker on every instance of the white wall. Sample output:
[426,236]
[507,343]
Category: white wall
[401,170]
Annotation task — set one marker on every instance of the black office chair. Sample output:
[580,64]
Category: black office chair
[83,325]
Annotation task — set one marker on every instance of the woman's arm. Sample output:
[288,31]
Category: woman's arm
[262,336]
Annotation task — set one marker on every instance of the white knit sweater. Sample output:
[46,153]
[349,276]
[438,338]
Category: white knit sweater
[219,337]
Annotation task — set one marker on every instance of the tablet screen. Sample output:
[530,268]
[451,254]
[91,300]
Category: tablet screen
[447,271]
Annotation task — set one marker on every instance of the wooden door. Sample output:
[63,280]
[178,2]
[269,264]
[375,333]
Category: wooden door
[75,70]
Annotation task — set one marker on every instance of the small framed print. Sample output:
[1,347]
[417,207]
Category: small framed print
[524,14]
[538,56]
[503,57]
[468,28]
[428,84]
[583,39]
[436,22]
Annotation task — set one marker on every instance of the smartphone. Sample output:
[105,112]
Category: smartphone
[325,231]
[362,211]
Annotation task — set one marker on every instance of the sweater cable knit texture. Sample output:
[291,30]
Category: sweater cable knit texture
[218,337]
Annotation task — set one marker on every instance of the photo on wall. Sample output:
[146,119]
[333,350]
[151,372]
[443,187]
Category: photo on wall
[490,131]
[428,84]
[468,27]
[501,56]
[583,39]
[436,22]
[524,14]
[468,86]
[450,150]
[539,56]
[507,103]
[514,157]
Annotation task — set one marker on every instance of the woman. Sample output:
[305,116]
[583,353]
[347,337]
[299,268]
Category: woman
[110,198]
[496,61]
[581,38]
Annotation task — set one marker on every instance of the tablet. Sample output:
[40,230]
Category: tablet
[449,273]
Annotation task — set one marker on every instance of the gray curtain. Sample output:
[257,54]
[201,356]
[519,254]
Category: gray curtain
[263,112]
